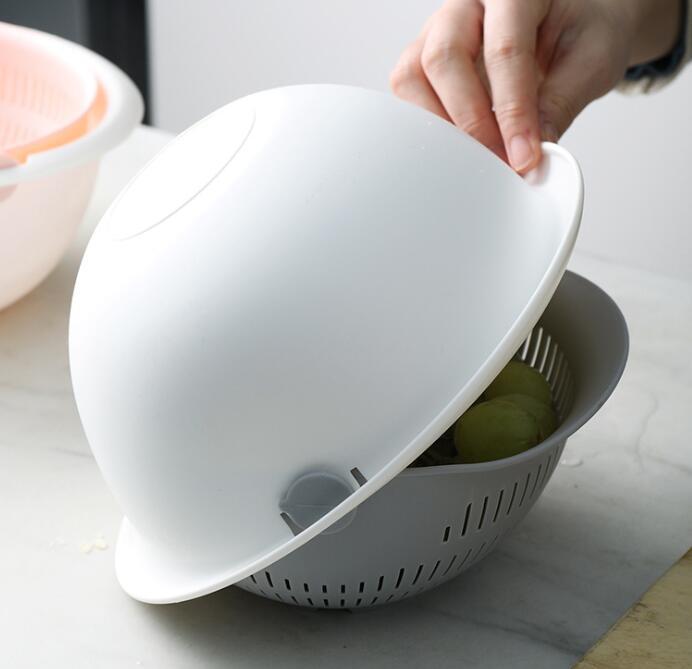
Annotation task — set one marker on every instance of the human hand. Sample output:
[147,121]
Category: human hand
[514,72]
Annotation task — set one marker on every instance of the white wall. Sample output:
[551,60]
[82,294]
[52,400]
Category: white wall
[633,150]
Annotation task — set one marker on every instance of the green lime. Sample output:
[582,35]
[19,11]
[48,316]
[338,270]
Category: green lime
[544,414]
[520,378]
[494,430]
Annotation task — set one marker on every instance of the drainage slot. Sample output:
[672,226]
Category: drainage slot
[399,577]
[432,573]
[379,583]
[287,583]
[546,350]
[466,520]
[535,483]
[549,371]
[306,587]
[269,579]
[511,499]
[449,566]
[526,487]
[485,506]
[415,578]
[547,469]
[445,536]
[361,587]
[525,347]
[463,562]
[499,504]
[559,379]
[480,550]
[536,347]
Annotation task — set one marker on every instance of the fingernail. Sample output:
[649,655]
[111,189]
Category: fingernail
[549,131]
[520,152]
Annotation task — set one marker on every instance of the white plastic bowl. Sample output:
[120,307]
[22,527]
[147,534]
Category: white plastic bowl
[430,524]
[45,184]
[289,304]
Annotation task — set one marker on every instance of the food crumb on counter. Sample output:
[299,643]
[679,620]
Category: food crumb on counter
[98,542]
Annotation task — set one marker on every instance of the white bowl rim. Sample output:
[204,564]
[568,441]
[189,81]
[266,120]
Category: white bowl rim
[124,112]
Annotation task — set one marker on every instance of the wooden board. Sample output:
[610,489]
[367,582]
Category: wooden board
[656,633]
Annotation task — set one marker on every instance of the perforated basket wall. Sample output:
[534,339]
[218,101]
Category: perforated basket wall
[425,526]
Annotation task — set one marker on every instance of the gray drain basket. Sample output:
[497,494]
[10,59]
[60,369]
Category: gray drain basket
[430,524]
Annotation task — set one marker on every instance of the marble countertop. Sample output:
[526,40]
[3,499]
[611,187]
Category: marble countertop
[614,517]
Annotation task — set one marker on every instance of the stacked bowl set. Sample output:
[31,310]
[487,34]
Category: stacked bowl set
[61,108]
[287,306]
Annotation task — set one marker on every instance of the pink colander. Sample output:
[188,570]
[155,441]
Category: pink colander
[61,107]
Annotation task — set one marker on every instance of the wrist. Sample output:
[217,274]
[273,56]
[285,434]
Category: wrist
[654,26]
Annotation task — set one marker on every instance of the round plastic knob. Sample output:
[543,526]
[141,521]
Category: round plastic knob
[312,496]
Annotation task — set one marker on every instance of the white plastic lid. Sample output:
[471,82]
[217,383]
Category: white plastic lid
[303,325]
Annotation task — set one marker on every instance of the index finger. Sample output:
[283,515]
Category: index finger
[509,46]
